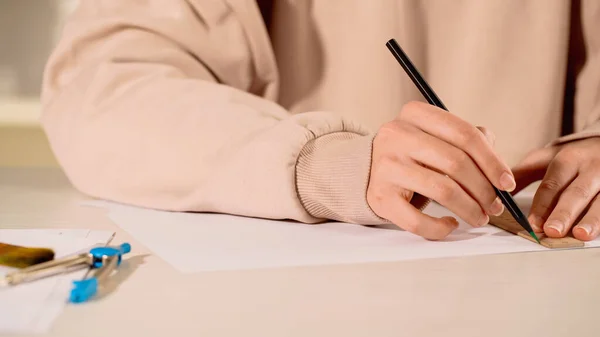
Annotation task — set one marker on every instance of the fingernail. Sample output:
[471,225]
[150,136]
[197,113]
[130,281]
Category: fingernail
[555,225]
[535,222]
[507,182]
[483,220]
[587,228]
[497,208]
[453,221]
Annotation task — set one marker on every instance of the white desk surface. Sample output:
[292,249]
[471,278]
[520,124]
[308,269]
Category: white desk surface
[554,293]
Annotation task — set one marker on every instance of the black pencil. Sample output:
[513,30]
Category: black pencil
[433,99]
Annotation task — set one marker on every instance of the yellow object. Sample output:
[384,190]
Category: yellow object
[22,257]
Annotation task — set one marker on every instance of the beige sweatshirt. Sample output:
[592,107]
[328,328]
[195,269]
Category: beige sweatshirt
[268,109]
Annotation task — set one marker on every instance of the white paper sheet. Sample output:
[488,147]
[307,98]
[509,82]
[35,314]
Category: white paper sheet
[32,307]
[193,242]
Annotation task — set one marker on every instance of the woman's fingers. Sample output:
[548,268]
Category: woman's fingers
[449,160]
[442,189]
[571,204]
[404,215]
[453,130]
[589,226]
[561,172]
[430,152]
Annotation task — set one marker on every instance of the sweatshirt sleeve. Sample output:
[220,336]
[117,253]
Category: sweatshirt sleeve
[585,69]
[169,104]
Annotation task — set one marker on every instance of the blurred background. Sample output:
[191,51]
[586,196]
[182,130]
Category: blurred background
[29,29]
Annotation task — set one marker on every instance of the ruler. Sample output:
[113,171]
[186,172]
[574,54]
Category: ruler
[506,222]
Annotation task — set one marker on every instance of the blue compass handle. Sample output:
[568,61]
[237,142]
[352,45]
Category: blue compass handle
[85,289]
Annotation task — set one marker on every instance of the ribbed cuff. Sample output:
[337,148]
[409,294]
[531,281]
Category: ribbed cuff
[332,176]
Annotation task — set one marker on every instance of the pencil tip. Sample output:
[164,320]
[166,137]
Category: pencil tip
[534,236]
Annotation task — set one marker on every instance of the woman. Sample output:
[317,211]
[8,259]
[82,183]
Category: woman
[296,110]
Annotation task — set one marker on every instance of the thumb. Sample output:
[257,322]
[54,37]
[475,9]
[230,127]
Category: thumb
[533,167]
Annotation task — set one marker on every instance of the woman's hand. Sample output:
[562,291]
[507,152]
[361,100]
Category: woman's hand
[429,151]
[567,197]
